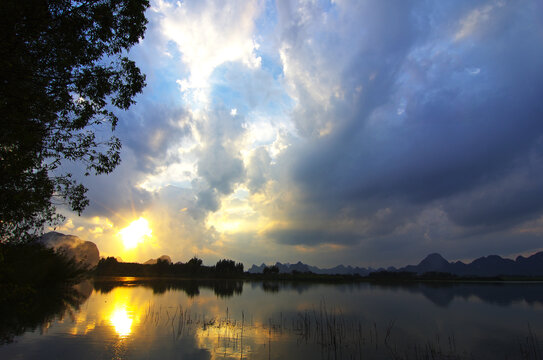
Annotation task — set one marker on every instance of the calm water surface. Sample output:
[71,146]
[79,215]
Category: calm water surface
[143,319]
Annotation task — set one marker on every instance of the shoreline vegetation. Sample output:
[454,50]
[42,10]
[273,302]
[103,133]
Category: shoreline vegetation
[30,269]
[33,271]
[228,269]
[36,284]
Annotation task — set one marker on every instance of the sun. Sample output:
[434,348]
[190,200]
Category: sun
[135,233]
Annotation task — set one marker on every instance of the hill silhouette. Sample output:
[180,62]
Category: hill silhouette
[486,266]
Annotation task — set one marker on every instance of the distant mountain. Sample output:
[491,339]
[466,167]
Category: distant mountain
[255,269]
[531,264]
[301,267]
[83,252]
[492,265]
[154,261]
[432,262]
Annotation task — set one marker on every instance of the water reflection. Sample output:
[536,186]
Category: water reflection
[500,293]
[142,318]
[222,288]
[40,310]
[121,321]
[439,293]
[234,339]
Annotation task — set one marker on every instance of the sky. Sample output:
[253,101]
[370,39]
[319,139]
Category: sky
[368,133]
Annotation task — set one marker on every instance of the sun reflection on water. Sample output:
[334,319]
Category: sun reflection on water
[122,312]
[234,339]
[121,321]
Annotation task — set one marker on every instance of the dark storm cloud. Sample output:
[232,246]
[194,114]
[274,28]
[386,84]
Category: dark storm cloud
[435,133]
[220,166]
[508,201]
[208,200]
[258,169]
[311,237]
[440,121]
[150,130]
[348,43]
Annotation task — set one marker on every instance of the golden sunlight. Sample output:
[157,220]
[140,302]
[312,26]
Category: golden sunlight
[135,233]
[121,312]
[236,214]
[121,322]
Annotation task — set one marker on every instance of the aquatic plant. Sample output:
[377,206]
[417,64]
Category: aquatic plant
[322,328]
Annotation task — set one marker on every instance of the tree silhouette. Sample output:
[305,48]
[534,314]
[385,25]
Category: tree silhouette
[228,266]
[271,270]
[64,68]
[194,265]
[195,262]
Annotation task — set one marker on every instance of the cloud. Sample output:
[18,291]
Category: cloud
[208,200]
[208,34]
[509,200]
[151,130]
[363,132]
[220,165]
[220,168]
[310,237]
[393,119]
[258,169]
[348,57]
[476,20]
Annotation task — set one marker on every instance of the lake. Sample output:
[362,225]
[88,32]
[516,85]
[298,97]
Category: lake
[133,318]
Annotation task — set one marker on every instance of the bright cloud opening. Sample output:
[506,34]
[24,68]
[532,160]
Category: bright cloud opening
[135,233]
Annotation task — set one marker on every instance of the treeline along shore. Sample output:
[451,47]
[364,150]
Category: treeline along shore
[194,268]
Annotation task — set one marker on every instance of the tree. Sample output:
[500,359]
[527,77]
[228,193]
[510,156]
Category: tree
[228,266]
[63,70]
[195,262]
[271,270]
[194,265]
